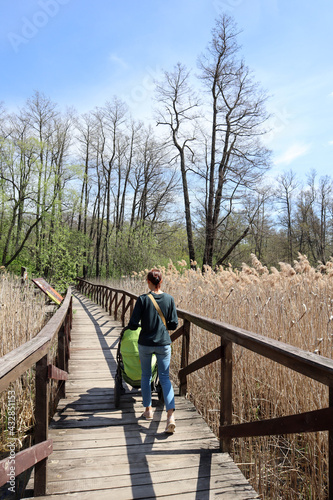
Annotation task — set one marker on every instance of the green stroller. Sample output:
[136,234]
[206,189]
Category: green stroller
[129,367]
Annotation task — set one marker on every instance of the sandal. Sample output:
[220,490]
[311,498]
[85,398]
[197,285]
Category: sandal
[148,415]
[171,425]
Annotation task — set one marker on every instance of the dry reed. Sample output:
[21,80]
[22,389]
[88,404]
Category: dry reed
[294,305]
[22,316]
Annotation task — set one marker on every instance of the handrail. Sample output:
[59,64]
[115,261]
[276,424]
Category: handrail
[35,352]
[312,365]
[19,360]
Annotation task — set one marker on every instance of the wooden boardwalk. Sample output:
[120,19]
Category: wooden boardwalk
[107,453]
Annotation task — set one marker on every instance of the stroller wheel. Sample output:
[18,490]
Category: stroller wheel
[159,392]
[117,391]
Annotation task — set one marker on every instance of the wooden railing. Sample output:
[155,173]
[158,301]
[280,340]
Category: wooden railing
[36,352]
[312,365]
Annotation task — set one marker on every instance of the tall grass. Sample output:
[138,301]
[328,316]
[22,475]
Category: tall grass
[22,316]
[293,304]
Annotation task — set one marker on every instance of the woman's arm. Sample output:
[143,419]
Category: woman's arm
[172,322]
[135,319]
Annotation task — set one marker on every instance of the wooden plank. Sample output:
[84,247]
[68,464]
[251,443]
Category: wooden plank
[157,472]
[25,459]
[105,447]
[141,478]
[198,488]
[132,454]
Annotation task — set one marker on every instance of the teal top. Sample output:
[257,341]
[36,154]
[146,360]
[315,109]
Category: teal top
[153,331]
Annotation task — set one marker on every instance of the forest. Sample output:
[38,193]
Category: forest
[100,194]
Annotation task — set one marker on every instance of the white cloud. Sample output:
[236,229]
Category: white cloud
[330,143]
[118,60]
[293,152]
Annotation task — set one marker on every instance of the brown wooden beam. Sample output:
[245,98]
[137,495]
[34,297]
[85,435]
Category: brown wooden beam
[311,421]
[25,459]
[312,365]
[116,305]
[177,333]
[226,392]
[330,450]
[18,361]
[55,373]
[205,360]
[184,357]
[42,422]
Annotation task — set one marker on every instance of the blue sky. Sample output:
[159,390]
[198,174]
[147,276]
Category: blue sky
[80,53]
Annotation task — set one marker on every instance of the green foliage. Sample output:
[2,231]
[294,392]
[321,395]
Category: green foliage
[172,244]
[64,257]
[131,249]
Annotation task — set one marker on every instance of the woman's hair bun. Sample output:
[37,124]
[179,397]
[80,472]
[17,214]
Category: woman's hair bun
[155,276]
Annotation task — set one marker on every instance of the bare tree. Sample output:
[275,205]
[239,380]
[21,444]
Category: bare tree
[313,218]
[325,190]
[110,119]
[177,111]
[153,182]
[235,157]
[285,195]
[86,136]
[40,113]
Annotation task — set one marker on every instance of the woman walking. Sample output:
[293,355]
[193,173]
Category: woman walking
[156,313]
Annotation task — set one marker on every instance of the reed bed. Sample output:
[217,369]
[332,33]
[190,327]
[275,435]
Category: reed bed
[293,304]
[23,313]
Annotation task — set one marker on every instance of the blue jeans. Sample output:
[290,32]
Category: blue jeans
[163,355]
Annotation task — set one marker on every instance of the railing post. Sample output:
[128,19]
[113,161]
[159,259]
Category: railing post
[115,306]
[42,422]
[123,310]
[71,313]
[68,341]
[62,358]
[330,452]
[185,355]
[24,275]
[226,391]
[105,302]
[110,303]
